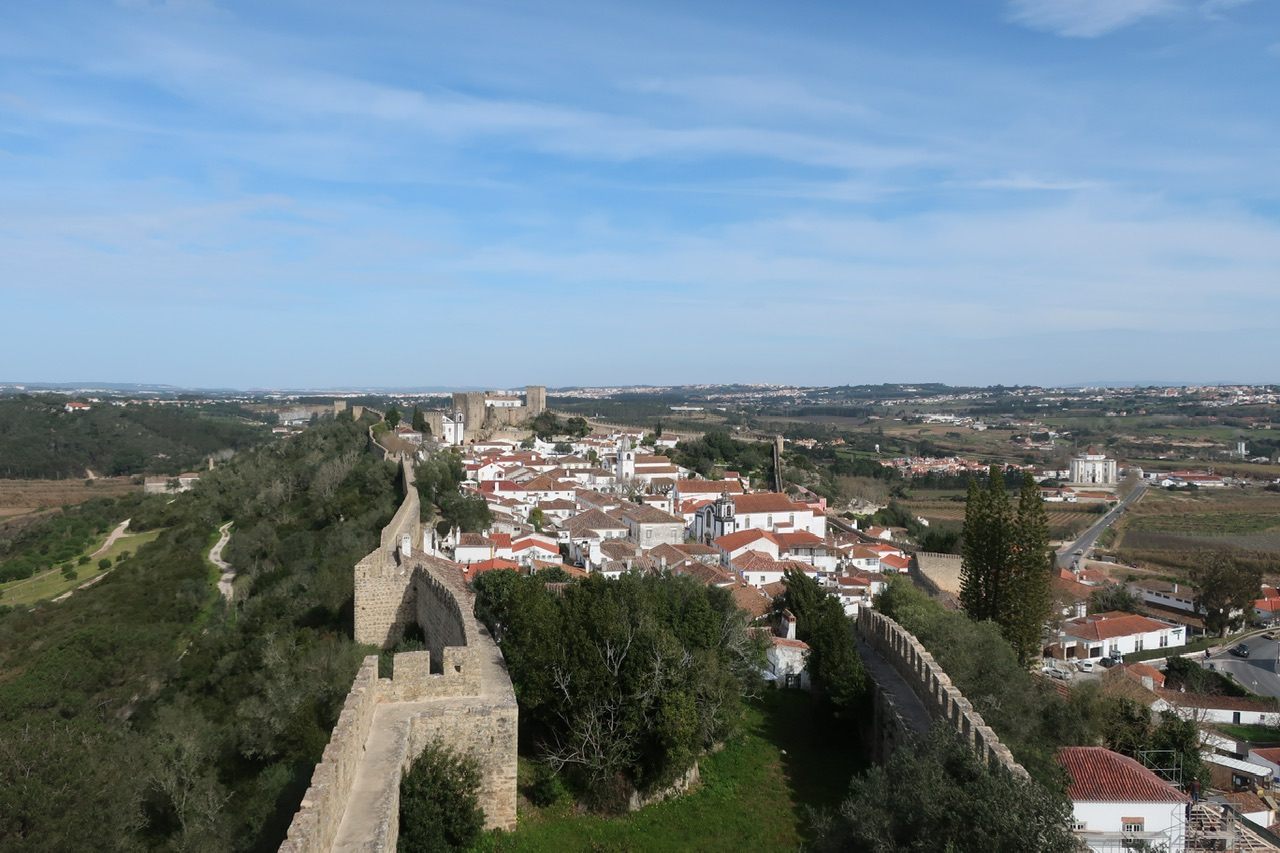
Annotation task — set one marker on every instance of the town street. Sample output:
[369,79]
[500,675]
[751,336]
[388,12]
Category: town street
[1067,554]
[1256,672]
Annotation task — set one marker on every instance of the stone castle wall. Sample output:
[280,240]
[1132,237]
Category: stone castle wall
[457,692]
[943,700]
[315,826]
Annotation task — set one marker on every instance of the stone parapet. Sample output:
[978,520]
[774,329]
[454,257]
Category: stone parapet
[933,686]
[315,826]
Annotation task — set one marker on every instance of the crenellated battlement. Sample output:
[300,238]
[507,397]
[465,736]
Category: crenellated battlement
[942,699]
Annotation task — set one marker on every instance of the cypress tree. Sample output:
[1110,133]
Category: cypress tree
[973,577]
[1029,600]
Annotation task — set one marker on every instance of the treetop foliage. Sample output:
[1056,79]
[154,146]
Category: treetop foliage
[1006,572]
[622,684]
[38,439]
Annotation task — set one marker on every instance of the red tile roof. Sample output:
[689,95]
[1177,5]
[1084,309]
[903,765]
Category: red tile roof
[734,541]
[1105,626]
[767,502]
[1101,776]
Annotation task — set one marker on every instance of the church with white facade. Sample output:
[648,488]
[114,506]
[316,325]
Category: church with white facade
[1094,469]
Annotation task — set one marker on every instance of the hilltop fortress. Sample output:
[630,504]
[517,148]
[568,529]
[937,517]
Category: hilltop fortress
[457,691]
[475,412]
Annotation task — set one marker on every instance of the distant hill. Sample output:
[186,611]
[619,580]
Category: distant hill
[40,439]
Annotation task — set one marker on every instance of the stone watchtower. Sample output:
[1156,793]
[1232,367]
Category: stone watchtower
[535,399]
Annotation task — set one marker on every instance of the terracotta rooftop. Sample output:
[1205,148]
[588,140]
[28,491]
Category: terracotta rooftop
[1101,776]
[767,502]
[1104,626]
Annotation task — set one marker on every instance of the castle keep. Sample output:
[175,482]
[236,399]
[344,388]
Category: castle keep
[457,691]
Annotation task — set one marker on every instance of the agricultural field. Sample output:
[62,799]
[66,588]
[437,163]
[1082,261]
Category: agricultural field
[1065,521]
[22,498]
[1172,529]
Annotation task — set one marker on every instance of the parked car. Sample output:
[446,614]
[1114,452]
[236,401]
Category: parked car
[1087,666]
[1110,662]
[1240,651]
[1060,674]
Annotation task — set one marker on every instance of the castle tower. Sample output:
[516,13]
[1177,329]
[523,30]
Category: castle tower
[535,399]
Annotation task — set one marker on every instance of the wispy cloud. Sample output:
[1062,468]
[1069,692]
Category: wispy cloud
[1086,18]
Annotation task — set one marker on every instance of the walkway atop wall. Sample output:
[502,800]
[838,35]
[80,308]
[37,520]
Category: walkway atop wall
[400,719]
[905,700]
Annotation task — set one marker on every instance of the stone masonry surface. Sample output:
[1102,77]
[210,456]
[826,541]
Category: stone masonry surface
[933,687]
[457,692]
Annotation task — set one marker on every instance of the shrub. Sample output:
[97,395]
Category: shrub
[104,563]
[124,555]
[440,802]
[546,788]
[84,560]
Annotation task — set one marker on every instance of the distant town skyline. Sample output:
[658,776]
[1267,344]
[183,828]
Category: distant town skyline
[241,195]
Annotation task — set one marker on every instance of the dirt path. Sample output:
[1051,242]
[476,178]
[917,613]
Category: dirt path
[228,575]
[111,539]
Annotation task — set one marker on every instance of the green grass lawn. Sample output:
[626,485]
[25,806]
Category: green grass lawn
[1253,734]
[754,793]
[51,584]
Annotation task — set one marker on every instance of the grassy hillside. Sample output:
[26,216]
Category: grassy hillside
[142,713]
[39,439]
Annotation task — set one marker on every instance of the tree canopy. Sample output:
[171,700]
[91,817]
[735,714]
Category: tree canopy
[937,795]
[622,683]
[1225,591]
[1006,569]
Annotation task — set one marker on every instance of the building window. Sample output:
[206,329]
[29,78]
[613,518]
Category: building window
[1078,826]
[1137,646]
[1132,824]
[1164,640]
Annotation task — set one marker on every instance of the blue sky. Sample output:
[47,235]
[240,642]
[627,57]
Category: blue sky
[410,193]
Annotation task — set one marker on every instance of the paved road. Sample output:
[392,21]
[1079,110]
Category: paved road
[1067,555]
[1258,672]
[228,575]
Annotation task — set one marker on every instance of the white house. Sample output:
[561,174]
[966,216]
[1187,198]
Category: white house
[1165,594]
[1114,800]
[786,657]
[649,526]
[1117,633]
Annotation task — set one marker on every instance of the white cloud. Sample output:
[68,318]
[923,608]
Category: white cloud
[1085,18]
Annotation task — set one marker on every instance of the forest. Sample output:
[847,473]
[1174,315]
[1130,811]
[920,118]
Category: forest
[151,715]
[39,439]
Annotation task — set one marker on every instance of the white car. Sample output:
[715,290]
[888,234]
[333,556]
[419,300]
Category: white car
[1087,666]
[1055,672]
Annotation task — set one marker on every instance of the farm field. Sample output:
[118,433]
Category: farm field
[19,498]
[1065,521]
[1171,529]
[51,583]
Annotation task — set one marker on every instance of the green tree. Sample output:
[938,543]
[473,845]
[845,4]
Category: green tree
[1112,598]
[420,421]
[1225,591]
[537,518]
[833,663]
[392,417]
[1006,564]
[104,563]
[440,802]
[577,426]
[965,806]
[1028,594]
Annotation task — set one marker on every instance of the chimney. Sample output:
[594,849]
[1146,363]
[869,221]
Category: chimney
[788,625]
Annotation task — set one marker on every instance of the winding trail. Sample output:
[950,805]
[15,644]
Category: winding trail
[111,539]
[228,576]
